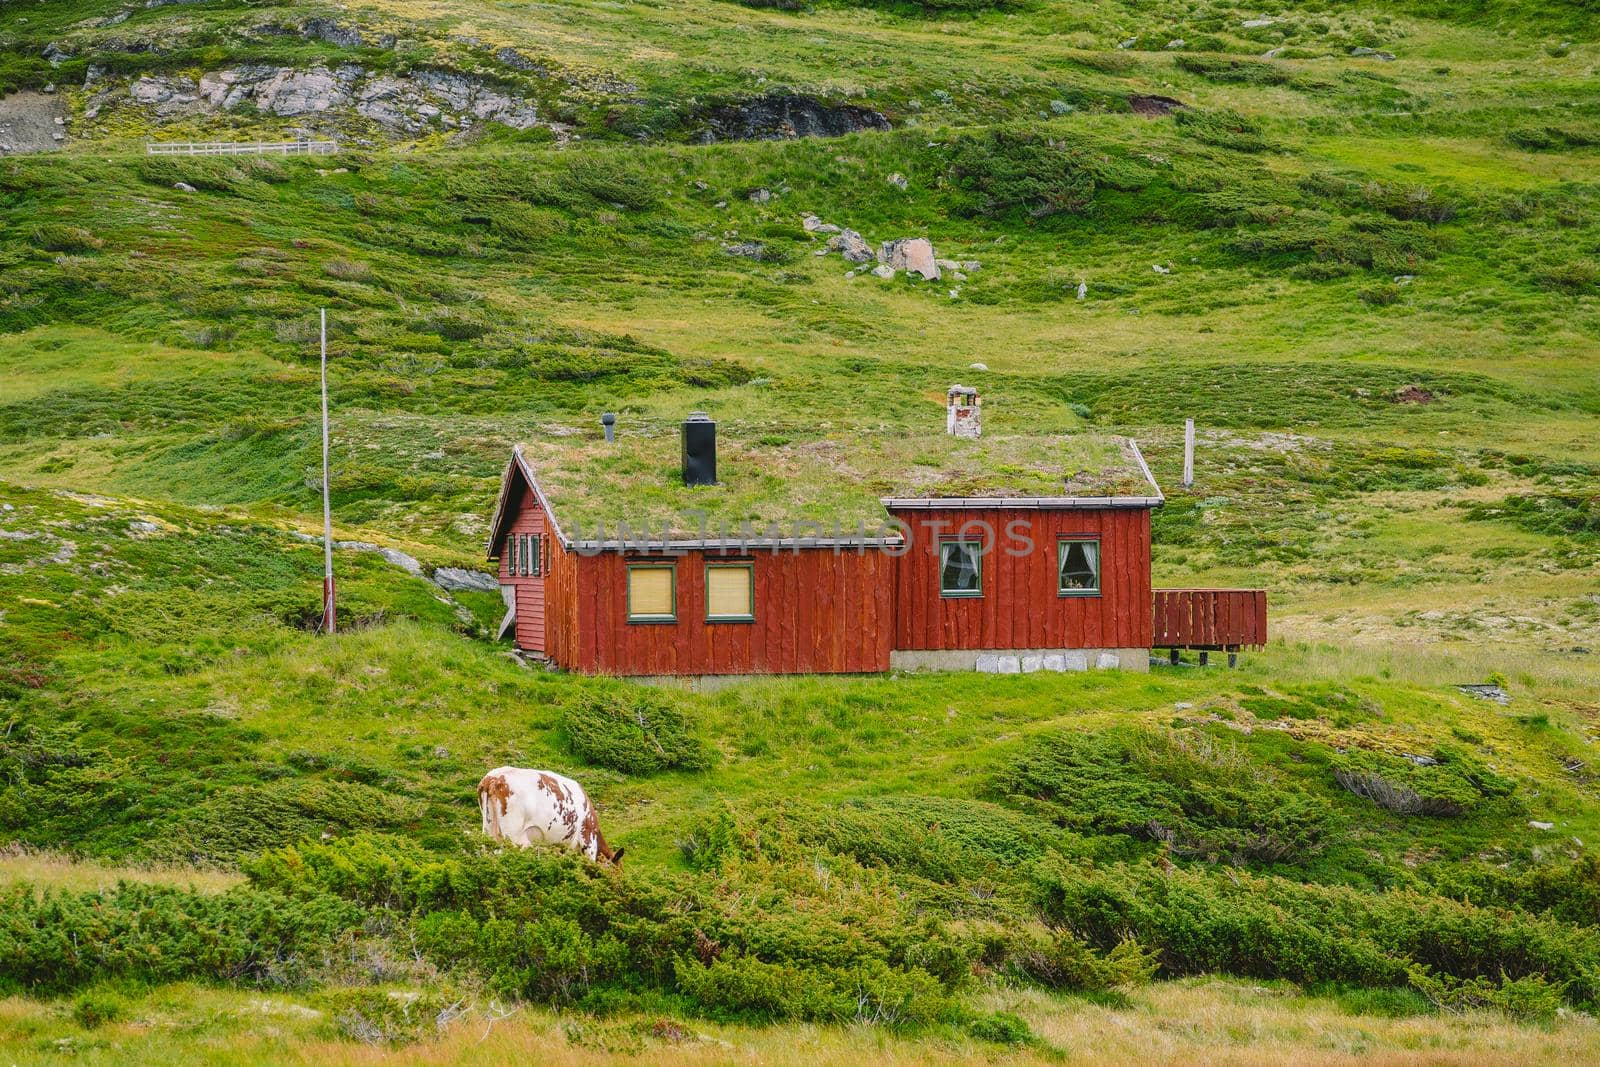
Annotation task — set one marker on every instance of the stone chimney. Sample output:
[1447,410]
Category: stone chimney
[963,414]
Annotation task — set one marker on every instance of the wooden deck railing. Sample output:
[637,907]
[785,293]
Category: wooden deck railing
[1225,619]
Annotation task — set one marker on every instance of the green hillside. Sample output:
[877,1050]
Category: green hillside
[1373,282]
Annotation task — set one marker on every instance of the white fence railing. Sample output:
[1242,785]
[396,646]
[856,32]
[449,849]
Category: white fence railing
[241,148]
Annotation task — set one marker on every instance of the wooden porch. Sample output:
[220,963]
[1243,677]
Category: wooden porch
[1210,620]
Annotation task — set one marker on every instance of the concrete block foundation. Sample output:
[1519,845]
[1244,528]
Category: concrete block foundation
[1021,660]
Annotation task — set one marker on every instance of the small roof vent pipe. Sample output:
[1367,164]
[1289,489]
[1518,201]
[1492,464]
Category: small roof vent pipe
[608,422]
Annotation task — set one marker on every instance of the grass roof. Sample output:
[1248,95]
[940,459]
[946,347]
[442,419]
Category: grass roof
[828,480]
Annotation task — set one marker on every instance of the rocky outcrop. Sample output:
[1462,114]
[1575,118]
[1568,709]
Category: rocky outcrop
[852,246]
[409,104]
[778,117]
[459,580]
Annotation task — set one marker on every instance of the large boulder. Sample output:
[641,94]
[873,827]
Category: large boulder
[914,255]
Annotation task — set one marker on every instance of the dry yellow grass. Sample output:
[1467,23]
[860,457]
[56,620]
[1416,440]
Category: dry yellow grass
[49,870]
[1200,1022]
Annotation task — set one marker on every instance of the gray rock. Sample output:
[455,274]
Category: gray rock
[183,187]
[988,663]
[914,255]
[1107,661]
[457,579]
[898,180]
[1009,665]
[1061,107]
[1537,825]
[1256,24]
[1179,43]
[332,32]
[747,250]
[1129,43]
[778,117]
[883,270]
[1492,693]
[977,366]
[852,246]
[761,196]
[516,60]
[1076,661]
[1387,57]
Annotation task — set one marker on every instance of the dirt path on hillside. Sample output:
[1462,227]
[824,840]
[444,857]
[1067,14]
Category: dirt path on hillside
[28,123]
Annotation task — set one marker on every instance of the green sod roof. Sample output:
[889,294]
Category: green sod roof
[841,480]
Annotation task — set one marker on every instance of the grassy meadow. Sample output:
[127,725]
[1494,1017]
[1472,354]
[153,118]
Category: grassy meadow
[1375,285]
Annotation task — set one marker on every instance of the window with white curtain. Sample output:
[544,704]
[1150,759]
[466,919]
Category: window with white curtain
[1078,566]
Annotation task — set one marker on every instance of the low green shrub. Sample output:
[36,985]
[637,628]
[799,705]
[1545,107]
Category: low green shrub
[55,941]
[822,939]
[93,1008]
[1002,1028]
[1008,170]
[1231,71]
[1059,959]
[636,731]
[1200,922]
[1196,795]
[1223,128]
[1450,782]
[1529,997]
[1553,138]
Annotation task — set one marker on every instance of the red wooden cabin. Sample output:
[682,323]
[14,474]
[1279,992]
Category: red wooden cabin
[831,556]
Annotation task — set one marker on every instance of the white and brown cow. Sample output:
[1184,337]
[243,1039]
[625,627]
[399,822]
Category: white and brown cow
[525,807]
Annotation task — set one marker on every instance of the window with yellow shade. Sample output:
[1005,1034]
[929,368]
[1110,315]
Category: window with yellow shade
[652,593]
[730,592]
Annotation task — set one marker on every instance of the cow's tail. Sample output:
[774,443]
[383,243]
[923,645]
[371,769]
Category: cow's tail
[486,804]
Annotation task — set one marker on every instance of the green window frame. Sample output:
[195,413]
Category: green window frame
[1085,561]
[750,569]
[950,568]
[672,616]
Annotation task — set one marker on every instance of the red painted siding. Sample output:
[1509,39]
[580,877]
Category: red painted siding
[815,612]
[1020,607]
[1210,618]
[531,598]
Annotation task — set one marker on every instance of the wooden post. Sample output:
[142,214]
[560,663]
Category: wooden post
[1233,659]
[1188,453]
[329,623]
[1205,659]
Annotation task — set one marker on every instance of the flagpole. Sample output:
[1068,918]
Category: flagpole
[328,623]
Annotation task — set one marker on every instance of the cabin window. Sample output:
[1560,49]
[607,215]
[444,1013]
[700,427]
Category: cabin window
[1078,566]
[730,592]
[652,593]
[961,568]
[527,555]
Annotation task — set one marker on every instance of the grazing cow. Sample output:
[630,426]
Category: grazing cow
[525,807]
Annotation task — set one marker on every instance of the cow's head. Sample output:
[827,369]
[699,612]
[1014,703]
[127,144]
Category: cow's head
[613,858]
